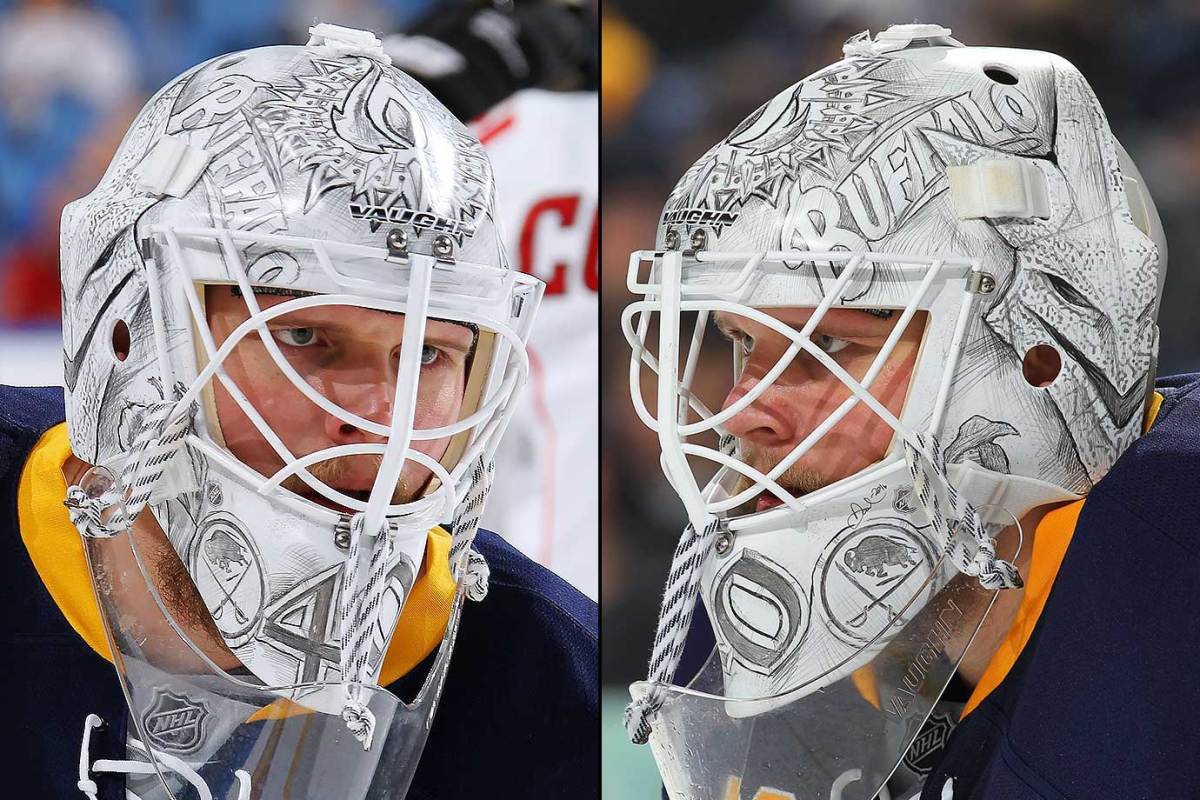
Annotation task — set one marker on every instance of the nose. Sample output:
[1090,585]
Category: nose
[766,421]
[371,401]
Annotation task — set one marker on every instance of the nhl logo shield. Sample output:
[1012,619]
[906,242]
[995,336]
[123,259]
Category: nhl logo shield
[926,750]
[175,722]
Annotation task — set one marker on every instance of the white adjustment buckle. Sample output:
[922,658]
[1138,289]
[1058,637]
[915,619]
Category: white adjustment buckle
[342,41]
[172,167]
[916,30]
[1001,187]
[899,37]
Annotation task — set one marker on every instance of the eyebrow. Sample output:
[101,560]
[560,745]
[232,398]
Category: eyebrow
[729,329]
[297,319]
[447,341]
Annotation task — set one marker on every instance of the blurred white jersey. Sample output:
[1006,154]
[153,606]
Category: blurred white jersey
[545,500]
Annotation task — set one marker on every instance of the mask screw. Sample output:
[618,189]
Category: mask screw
[724,543]
[341,533]
[397,242]
[671,239]
[981,283]
[699,239]
[442,246]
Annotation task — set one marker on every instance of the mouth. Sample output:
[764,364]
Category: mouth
[767,501]
[361,495]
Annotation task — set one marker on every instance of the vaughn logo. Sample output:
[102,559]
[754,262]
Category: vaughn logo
[926,750]
[700,216]
[397,215]
[175,722]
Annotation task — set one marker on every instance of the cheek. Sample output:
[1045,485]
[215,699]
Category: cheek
[890,388]
[437,406]
[283,407]
[861,438]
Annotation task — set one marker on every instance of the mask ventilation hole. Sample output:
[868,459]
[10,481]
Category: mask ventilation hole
[1041,365]
[1000,75]
[120,340]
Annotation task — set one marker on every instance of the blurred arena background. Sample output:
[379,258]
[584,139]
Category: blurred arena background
[72,75]
[678,75]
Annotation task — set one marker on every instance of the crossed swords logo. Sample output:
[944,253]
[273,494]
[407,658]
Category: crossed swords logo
[889,558]
[875,601]
[222,548]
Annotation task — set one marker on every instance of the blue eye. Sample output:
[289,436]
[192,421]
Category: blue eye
[830,344]
[429,354]
[296,337]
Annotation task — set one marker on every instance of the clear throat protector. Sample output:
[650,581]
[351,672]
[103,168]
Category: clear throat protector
[202,726]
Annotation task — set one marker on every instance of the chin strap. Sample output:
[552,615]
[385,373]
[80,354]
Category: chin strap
[966,540]
[674,620]
[364,581]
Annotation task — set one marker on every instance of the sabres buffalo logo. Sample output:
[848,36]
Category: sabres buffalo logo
[869,576]
[875,555]
[229,576]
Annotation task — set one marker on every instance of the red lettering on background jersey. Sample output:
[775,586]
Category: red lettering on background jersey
[591,264]
[564,208]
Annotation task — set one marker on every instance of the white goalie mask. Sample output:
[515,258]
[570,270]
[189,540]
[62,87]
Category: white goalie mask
[966,214]
[292,335]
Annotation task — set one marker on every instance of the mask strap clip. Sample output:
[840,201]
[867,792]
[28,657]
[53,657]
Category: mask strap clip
[964,537]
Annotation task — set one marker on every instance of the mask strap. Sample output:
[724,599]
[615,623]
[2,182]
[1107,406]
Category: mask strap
[466,525]
[364,581]
[674,621]
[966,540]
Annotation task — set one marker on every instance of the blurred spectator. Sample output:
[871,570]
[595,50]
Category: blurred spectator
[65,67]
[53,48]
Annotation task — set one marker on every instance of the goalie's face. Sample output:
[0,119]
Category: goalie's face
[804,395]
[349,355]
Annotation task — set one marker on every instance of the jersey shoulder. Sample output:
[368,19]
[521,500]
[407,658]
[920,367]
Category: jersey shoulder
[25,414]
[1160,467]
[522,692]
[521,580]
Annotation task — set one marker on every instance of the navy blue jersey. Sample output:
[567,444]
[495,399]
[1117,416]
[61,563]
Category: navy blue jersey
[517,718]
[1102,701]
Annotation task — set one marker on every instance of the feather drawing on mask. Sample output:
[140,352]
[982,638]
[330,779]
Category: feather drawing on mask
[976,441]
